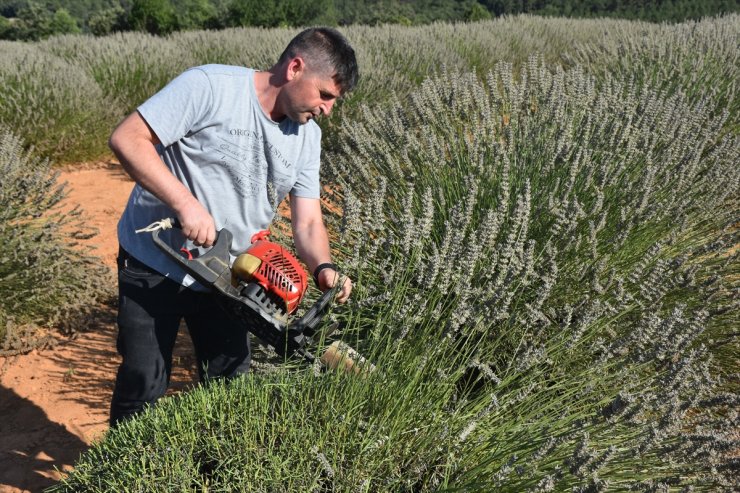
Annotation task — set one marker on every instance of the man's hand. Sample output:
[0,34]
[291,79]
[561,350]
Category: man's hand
[328,278]
[197,224]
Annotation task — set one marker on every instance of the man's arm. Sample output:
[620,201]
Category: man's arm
[312,243]
[133,144]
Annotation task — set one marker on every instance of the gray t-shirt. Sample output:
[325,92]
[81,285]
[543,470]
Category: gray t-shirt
[217,140]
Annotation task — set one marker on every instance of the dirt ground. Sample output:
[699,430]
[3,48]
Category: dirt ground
[54,402]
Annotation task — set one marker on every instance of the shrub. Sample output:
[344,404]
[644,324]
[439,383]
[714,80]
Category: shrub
[127,68]
[697,59]
[46,278]
[477,13]
[106,21]
[537,274]
[195,14]
[53,104]
[252,48]
[35,21]
[153,16]
[571,227]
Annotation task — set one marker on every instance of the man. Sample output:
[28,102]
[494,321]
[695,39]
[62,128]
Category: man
[219,146]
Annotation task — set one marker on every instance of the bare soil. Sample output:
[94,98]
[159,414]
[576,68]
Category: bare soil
[54,402]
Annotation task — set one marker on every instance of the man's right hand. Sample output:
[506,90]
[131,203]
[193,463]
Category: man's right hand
[197,224]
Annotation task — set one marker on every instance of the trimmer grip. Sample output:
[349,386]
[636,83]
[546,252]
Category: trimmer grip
[211,268]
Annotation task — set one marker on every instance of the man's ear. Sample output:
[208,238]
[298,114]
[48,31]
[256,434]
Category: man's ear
[296,67]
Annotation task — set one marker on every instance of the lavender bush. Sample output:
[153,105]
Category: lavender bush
[127,67]
[46,278]
[580,232]
[544,272]
[55,106]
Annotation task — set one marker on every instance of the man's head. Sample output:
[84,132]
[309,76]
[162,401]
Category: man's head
[326,53]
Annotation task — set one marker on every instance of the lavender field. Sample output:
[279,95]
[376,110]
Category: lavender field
[541,219]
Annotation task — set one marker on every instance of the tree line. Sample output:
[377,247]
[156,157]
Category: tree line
[38,19]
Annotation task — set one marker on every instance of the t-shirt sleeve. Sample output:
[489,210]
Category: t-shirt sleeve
[307,184]
[180,107]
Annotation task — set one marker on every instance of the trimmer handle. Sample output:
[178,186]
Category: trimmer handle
[211,268]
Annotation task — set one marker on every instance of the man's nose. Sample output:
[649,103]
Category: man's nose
[327,106]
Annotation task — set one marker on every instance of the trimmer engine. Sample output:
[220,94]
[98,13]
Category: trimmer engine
[270,275]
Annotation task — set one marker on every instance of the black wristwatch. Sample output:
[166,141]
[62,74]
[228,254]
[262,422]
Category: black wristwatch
[319,268]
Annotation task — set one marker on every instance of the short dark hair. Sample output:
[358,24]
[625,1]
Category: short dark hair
[325,49]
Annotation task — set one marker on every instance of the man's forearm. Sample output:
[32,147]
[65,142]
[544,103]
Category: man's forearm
[133,143]
[312,244]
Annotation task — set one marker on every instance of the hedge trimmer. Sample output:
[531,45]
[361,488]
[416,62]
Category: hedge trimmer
[262,288]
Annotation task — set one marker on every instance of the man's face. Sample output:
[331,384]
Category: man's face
[310,95]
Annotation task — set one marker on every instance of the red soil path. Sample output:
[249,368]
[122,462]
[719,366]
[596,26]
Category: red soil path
[54,402]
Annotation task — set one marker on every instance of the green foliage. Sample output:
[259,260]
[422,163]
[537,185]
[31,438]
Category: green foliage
[164,16]
[36,22]
[649,10]
[63,23]
[374,12]
[478,13]
[194,14]
[5,28]
[45,277]
[253,12]
[10,8]
[107,21]
[325,430]
[275,13]
[153,16]
[80,10]
[297,13]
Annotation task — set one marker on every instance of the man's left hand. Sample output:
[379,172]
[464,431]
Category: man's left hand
[328,278]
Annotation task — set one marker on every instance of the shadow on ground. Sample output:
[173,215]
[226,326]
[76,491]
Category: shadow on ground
[58,398]
[33,444]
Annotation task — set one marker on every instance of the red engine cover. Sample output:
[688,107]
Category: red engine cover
[280,272]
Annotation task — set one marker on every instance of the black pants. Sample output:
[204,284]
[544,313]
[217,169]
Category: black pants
[150,309]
